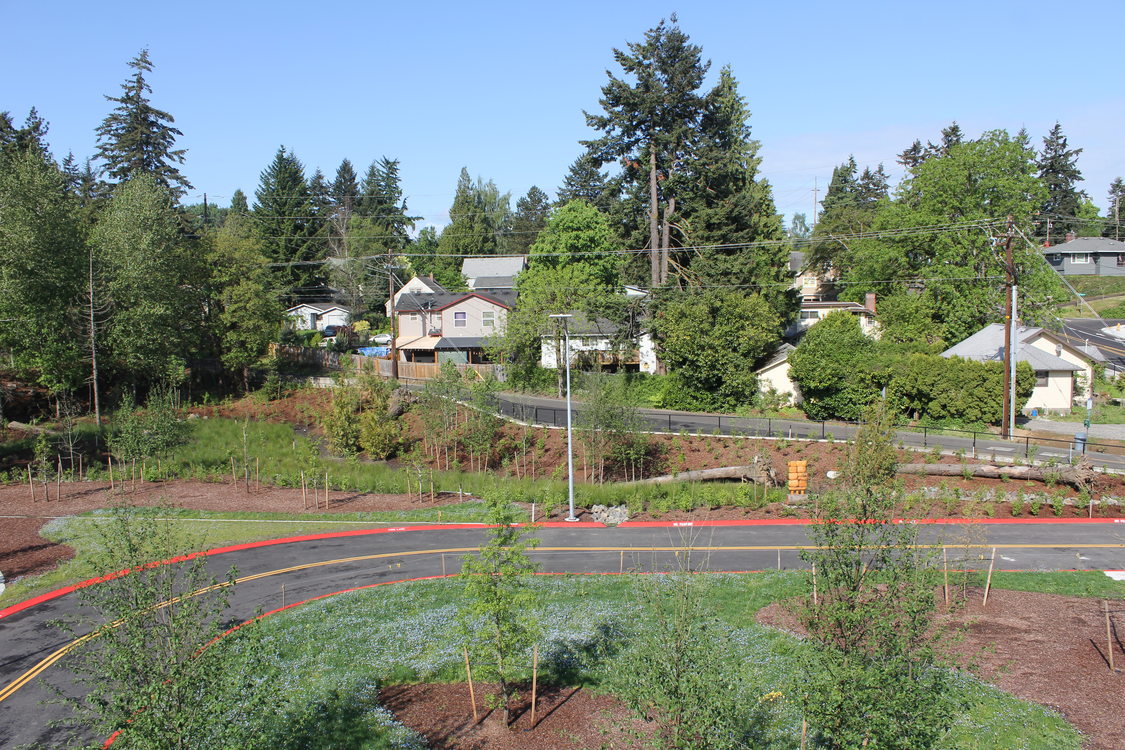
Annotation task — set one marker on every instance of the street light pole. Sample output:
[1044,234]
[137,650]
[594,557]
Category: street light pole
[565,318]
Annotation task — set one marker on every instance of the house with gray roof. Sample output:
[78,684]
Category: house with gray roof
[1063,373]
[1087,256]
[492,272]
[449,326]
[594,341]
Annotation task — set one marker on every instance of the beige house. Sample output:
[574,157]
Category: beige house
[1064,374]
[450,326]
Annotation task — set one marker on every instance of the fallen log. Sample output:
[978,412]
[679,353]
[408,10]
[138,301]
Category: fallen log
[1079,476]
[14,425]
[753,473]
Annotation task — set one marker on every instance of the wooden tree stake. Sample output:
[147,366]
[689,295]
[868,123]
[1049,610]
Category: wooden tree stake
[945,571]
[326,490]
[31,483]
[257,474]
[233,476]
[534,680]
[804,733]
[304,492]
[58,481]
[1108,635]
[988,581]
[469,677]
[111,473]
[814,584]
[143,465]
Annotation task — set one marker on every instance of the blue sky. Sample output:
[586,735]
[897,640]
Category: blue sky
[499,87]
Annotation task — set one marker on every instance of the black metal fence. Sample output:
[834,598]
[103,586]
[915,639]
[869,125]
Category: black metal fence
[975,444]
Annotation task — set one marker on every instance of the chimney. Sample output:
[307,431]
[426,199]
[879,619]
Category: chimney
[1070,236]
[431,276]
[869,302]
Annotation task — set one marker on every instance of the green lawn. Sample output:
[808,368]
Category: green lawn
[1095,286]
[329,657]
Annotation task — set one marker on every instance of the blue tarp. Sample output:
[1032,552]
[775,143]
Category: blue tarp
[374,351]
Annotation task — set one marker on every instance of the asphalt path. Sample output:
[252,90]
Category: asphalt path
[552,411]
[325,564]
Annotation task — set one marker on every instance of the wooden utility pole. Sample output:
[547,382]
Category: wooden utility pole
[394,316]
[1010,274]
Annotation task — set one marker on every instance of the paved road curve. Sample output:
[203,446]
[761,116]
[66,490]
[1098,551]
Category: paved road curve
[323,564]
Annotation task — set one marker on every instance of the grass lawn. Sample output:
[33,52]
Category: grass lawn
[1095,286]
[329,657]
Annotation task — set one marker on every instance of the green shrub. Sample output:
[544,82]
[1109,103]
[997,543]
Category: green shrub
[380,437]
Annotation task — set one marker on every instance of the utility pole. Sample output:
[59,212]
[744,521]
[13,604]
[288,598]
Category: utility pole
[394,316]
[815,192]
[1009,310]
[205,210]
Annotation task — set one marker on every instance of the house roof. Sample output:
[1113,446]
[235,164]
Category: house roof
[779,355]
[987,345]
[320,307]
[797,261]
[493,265]
[411,302]
[432,343]
[1087,245]
[429,283]
[850,306]
[493,282]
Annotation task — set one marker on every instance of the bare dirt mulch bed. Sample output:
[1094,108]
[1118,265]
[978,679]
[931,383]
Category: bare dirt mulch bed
[1043,648]
[566,719]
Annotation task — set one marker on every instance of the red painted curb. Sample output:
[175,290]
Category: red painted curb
[63,591]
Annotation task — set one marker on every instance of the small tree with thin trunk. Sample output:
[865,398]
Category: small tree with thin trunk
[871,676]
[499,611]
[150,672]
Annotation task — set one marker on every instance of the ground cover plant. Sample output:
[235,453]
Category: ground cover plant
[333,656]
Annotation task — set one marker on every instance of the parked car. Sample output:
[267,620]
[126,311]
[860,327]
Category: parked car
[330,331]
[381,339]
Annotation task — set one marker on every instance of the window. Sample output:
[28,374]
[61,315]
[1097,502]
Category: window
[414,317]
[1041,378]
[488,319]
[460,319]
[1079,258]
[1055,257]
[810,315]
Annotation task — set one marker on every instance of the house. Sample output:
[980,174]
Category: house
[592,343]
[1087,256]
[419,285]
[316,315]
[775,372]
[813,311]
[812,281]
[1063,372]
[450,326]
[492,272]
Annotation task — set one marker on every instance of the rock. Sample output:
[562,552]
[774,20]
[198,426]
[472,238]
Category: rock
[610,516]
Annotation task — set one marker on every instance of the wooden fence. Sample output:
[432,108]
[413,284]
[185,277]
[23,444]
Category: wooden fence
[324,359]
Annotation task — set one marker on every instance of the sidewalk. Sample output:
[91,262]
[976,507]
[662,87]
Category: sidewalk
[1097,431]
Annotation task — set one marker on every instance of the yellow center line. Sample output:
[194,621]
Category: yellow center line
[35,671]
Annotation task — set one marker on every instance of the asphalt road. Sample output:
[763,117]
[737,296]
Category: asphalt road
[321,566]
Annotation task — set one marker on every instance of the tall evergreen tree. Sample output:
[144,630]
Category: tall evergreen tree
[1116,211]
[584,181]
[1058,170]
[649,124]
[238,204]
[282,211]
[479,212]
[727,207]
[528,220]
[136,138]
[345,188]
[31,137]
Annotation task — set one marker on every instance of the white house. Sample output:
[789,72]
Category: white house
[592,341]
[775,374]
[1059,367]
[316,315]
[813,311]
[492,272]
